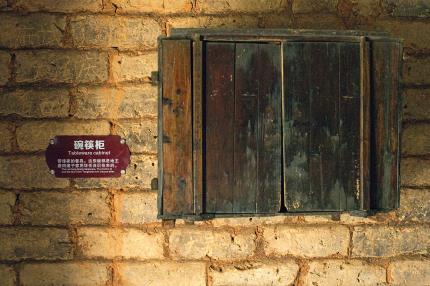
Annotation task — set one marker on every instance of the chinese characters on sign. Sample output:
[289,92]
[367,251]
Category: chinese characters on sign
[89,144]
[87,156]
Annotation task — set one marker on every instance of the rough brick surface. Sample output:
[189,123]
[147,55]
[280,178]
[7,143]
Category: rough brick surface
[69,6]
[241,6]
[410,272]
[150,6]
[414,205]
[134,67]
[4,67]
[407,8]
[237,21]
[55,66]
[35,103]
[27,172]
[314,6]
[136,207]
[119,32]
[192,243]
[416,104]
[416,71]
[7,137]
[308,21]
[35,30]
[162,274]
[34,136]
[45,208]
[416,139]
[308,241]
[415,172]
[141,136]
[384,241]
[409,31]
[7,202]
[123,102]
[34,243]
[140,172]
[115,243]
[255,274]
[7,276]
[250,221]
[338,272]
[76,274]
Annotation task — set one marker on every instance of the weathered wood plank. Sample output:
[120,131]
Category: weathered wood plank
[385,128]
[296,125]
[349,126]
[246,128]
[324,133]
[197,65]
[322,126]
[219,130]
[177,134]
[268,199]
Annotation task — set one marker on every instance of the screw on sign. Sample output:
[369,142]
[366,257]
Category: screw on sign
[87,156]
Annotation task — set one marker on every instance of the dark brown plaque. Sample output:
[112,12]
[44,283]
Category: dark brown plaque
[87,156]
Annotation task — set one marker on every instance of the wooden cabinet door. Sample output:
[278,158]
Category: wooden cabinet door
[325,155]
[175,123]
[243,127]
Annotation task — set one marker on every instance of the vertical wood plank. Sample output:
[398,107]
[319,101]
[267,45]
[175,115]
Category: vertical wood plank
[177,137]
[268,199]
[296,125]
[322,126]
[349,125]
[219,130]
[246,128]
[325,187]
[364,123]
[198,125]
[385,124]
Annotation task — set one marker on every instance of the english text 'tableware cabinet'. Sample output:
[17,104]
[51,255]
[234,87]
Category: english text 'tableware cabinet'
[278,121]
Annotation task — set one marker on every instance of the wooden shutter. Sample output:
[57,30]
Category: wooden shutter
[323,119]
[243,127]
[175,123]
[386,122]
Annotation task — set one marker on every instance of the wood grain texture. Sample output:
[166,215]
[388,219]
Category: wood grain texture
[349,126]
[322,126]
[177,134]
[385,114]
[246,128]
[243,128]
[219,127]
[268,199]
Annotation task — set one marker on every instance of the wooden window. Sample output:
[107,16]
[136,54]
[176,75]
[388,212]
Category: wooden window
[277,121]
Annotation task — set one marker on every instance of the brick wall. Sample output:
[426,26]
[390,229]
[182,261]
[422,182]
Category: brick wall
[84,67]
